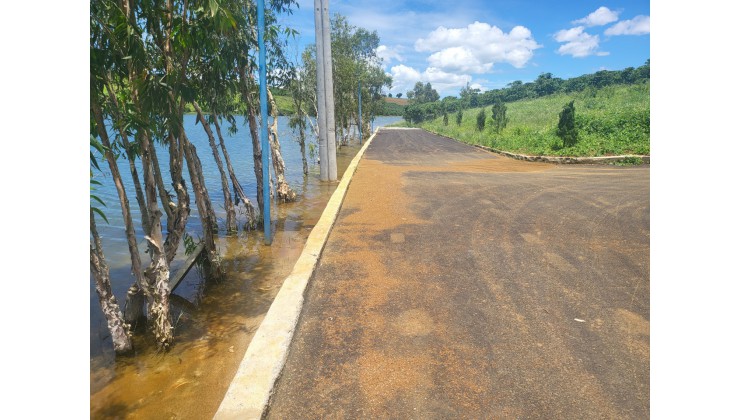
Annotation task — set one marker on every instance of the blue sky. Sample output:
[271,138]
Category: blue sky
[490,44]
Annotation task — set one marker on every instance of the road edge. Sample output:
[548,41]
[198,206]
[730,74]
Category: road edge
[560,160]
[251,388]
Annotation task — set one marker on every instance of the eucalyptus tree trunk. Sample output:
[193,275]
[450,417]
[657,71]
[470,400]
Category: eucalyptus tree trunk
[302,143]
[134,305]
[203,203]
[253,131]
[239,195]
[228,204]
[130,154]
[181,210]
[284,192]
[119,330]
[156,287]
[164,197]
[298,120]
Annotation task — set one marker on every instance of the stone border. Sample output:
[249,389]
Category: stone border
[598,160]
[249,393]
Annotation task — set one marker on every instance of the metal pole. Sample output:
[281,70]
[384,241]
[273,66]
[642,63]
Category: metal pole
[263,111]
[331,144]
[359,102]
[320,93]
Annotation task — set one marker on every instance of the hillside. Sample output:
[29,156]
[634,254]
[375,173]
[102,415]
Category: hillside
[613,120]
[397,101]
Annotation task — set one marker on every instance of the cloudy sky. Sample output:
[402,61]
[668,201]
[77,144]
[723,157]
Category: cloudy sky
[492,43]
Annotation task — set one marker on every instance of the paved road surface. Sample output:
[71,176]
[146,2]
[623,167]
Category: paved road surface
[460,284]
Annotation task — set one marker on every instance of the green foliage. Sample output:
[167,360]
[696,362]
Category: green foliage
[567,129]
[630,161]
[284,104]
[480,120]
[389,108]
[98,147]
[190,243]
[354,63]
[499,116]
[445,119]
[422,93]
[459,117]
[469,96]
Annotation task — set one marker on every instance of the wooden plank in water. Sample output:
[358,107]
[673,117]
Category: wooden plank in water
[177,278]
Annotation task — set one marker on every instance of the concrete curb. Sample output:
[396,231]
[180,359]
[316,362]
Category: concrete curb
[560,160]
[249,393]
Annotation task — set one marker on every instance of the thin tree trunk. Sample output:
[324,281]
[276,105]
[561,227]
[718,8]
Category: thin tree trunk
[134,306]
[228,204]
[298,102]
[256,146]
[284,192]
[202,201]
[212,219]
[239,194]
[164,197]
[131,157]
[302,143]
[119,330]
[176,224]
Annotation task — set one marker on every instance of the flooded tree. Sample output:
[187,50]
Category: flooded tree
[119,329]
[300,93]
[284,192]
[228,204]
[146,62]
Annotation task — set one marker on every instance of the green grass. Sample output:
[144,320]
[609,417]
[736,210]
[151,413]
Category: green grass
[284,104]
[614,120]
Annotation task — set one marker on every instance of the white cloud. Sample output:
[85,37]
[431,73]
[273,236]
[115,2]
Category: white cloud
[389,53]
[477,47]
[639,25]
[599,17]
[577,42]
[405,77]
[459,58]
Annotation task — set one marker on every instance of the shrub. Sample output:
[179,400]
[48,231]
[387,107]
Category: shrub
[499,116]
[445,119]
[413,114]
[458,117]
[567,130]
[480,120]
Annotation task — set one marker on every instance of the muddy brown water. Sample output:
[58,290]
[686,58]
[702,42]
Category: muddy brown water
[213,325]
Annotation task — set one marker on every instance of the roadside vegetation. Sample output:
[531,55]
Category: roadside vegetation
[599,114]
[614,120]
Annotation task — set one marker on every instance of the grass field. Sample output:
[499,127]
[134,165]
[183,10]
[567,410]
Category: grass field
[614,120]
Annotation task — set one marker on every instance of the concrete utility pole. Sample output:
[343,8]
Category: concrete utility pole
[325,93]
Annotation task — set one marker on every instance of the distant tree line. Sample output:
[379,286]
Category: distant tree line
[423,106]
